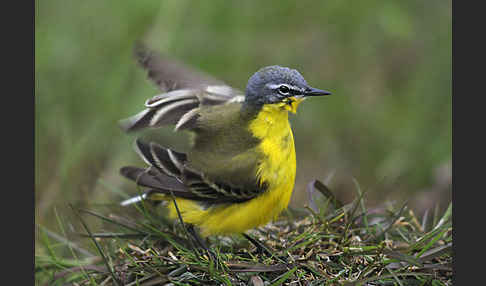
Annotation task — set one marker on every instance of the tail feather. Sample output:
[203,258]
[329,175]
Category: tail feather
[157,182]
[152,179]
[134,200]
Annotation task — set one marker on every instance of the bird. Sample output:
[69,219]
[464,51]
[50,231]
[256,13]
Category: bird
[239,172]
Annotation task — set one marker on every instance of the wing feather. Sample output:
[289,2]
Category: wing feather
[179,107]
[185,93]
[169,74]
[185,90]
[171,175]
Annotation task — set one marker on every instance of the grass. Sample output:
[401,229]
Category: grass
[326,243]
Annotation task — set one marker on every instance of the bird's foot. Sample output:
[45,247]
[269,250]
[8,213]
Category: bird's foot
[201,244]
[262,248]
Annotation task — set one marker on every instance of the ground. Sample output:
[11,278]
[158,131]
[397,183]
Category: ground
[327,243]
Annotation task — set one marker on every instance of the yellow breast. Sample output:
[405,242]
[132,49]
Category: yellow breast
[277,144]
[279,167]
[276,170]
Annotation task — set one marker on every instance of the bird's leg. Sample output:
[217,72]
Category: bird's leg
[190,230]
[200,241]
[262,248]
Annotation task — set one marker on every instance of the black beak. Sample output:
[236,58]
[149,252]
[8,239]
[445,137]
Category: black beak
[315,92]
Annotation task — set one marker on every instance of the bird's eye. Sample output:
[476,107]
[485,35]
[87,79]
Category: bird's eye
[284,90]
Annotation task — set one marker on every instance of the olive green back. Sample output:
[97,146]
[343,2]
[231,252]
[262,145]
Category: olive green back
[223,147]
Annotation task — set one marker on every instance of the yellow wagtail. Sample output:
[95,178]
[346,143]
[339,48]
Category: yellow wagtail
[240,170]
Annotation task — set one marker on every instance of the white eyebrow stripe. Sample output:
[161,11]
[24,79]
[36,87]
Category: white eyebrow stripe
[275,86]
[293,87]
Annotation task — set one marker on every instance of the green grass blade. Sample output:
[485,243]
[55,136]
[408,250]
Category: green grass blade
[284,277]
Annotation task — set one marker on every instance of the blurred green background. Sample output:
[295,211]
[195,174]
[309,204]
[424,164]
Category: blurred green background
[388,63]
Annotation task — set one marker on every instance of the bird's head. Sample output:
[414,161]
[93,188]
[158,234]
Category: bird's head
[281,86]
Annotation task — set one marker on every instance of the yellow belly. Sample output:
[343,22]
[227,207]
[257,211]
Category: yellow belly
[277,170]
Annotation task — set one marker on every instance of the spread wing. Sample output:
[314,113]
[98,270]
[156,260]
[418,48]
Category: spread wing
[170,175]
[185,93]
[185,90]
[169,74]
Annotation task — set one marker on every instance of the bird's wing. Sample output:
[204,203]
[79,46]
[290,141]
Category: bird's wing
[184,92]
[171,175]
[169,74]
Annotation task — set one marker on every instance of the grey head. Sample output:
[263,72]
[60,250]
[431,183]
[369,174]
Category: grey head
[275,84]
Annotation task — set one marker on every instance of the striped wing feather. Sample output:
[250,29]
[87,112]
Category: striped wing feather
[184,92]
[179,107]
[170,175]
